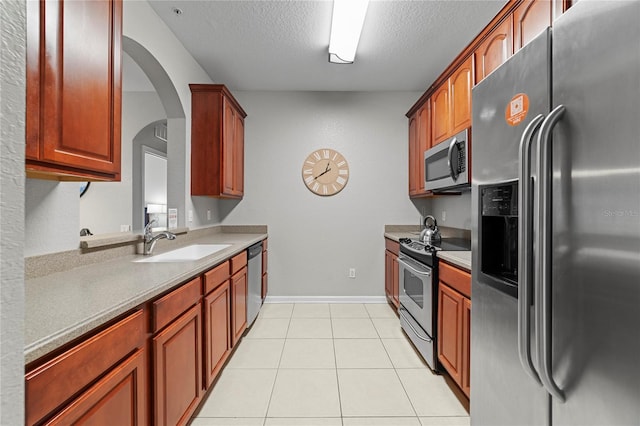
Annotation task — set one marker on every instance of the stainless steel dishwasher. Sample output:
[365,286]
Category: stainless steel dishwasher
[254,286]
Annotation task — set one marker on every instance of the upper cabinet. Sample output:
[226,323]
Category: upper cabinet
[74,75]
[451,103]
[217,142]
[460,85]
[529,19]
[419,142]
[496,48]
[440,126]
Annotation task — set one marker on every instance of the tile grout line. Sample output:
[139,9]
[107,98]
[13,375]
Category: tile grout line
[335,361]
[266,415]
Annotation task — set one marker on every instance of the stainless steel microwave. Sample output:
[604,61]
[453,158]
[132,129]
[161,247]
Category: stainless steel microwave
[446,165]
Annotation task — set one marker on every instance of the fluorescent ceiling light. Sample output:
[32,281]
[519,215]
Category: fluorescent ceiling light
[346,26]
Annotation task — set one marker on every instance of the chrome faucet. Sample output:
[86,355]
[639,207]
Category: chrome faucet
[150,240]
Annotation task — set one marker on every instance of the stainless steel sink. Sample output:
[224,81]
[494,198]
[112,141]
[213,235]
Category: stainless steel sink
[186,254]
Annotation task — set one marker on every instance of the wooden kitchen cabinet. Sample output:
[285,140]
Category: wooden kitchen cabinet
[238,296]
[529,19]
[392,278]
[495,49]
[177,354]
[265,270]
[440,121]
[466,346]
[217,142]
[73,84]
[65,388]
[454,323]
[217,320]
[460,85]
[419,142]
[117,399]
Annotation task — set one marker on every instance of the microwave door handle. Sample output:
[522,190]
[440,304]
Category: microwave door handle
[452,172]
[525,245]
[543,258]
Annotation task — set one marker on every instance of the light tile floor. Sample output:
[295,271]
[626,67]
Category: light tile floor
[329,365]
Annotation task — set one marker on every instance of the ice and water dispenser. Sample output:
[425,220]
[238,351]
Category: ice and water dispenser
[499,236]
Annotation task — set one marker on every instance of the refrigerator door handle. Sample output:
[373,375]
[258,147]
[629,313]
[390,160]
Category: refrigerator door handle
[543,258]
[525,243]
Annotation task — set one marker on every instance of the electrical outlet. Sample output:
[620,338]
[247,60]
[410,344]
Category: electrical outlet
[352,272]
[190,216]
[208,214]
[444,215]
[125,228]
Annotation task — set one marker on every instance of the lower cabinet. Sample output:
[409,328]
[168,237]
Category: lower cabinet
[238,296]
[217,321]
[454,324]
[117,399]
[151,367]
[88,380]
[177,368]
[391,272]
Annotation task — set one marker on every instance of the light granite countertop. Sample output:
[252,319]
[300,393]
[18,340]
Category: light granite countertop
[461,259]
[62,306]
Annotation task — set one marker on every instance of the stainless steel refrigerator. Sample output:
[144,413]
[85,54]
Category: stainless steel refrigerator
[555,331]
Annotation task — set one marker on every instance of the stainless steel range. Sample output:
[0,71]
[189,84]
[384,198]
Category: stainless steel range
[419,289]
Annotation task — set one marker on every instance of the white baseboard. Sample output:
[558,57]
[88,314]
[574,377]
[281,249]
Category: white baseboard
[325,299]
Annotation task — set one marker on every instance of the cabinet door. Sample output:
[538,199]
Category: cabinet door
[177,367]
[78,99]
[228,151]
[529,19]
[440,114]
[395,280]
[388,274]
[450,304]
[466,347]
[217,330]
[239,304]
[238,157]
[460,84]
[117,399]
[413,154]
[495,49]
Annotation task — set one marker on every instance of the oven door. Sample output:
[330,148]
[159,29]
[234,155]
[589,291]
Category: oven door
[416,292]
[445,165]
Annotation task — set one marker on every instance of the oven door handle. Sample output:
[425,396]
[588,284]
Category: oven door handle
[406,265]
[426,339]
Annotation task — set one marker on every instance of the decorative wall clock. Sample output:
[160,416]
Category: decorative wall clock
[325,172]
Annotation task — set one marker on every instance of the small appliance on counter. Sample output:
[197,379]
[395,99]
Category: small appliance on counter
[419,287]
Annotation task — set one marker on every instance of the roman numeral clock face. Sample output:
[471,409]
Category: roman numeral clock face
[325,172]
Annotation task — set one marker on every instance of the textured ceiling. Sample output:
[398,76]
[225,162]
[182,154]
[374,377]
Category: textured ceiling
[282,45]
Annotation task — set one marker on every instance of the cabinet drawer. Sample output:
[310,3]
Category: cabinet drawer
[117,399]
[392,246]
[45,390]
[215,277]
[456,278]
[175,303]
[238,262]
